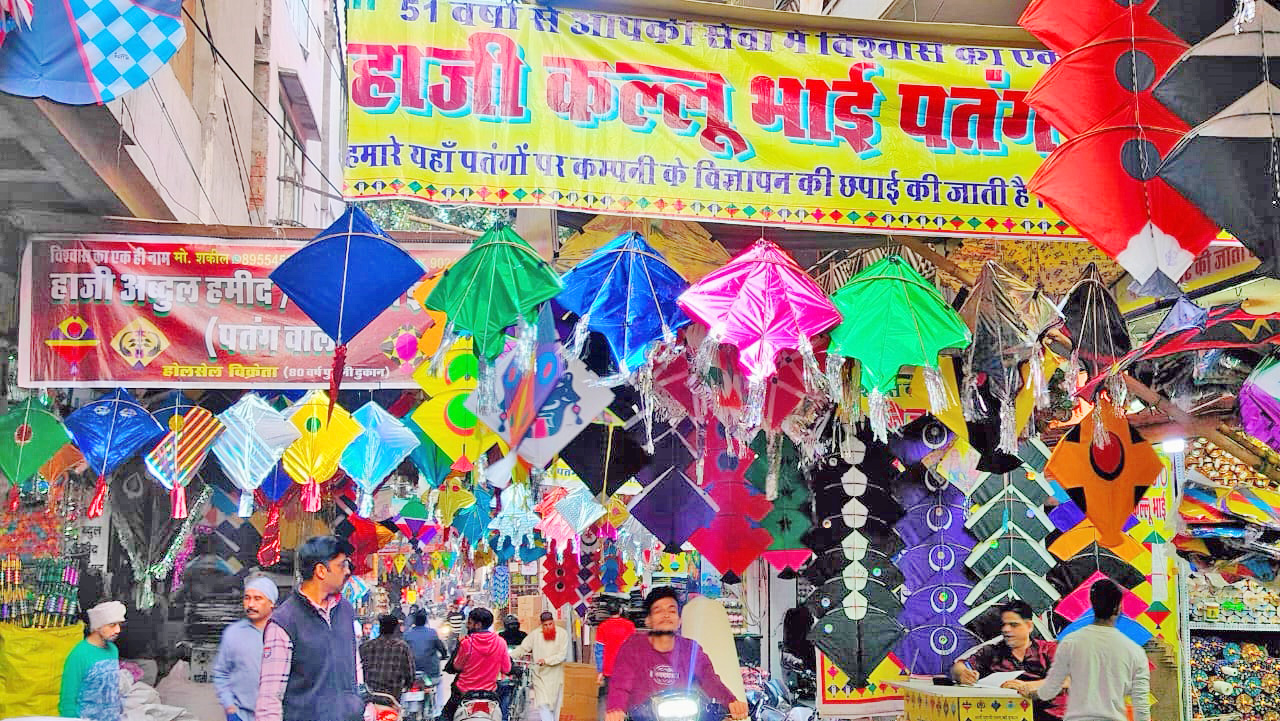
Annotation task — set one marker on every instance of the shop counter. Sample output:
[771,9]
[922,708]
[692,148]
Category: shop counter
[925,702]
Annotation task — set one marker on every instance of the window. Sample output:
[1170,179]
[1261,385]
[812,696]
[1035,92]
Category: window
[299,11]
[290,177]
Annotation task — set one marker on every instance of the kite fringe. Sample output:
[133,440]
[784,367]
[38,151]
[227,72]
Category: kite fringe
[753,414]
[1035,376]
[99,501]
[878,410]
[447,338]
[269,550]
[488,396]
[936,387]
[579,338]
[311,496]
[1008,427]
[815,381]
[775,465]
[834,372]
[178,499]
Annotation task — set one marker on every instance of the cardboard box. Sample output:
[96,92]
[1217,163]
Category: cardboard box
[580,693]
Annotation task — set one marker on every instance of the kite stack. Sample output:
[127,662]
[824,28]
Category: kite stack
[855,601]
[1106,177]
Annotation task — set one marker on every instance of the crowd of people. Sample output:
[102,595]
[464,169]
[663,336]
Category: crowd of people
[300,658]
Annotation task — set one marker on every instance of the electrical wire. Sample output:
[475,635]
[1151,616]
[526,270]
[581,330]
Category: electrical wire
[279,124]
[155,170]
[164,109]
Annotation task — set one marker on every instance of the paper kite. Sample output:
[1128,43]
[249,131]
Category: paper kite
[345,278]
[110,431]
[672,508]
[413,519]
[30,435]
[472,522]
[452,497]
[1105,477]
[856,646]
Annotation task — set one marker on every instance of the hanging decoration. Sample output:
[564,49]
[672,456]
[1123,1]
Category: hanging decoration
[181,452]
[472,521]
[626,291]
[446,416]
[413,519]
[761,302]
[30,436]
[672,508]
[515,521]
[498,283]
[344,278]
[273,491]
[1007,318]
[1259,402]
[110,431]
[376,452]
[893,317]
[1105,468]
[1093,322]
[254,438]
[326,429]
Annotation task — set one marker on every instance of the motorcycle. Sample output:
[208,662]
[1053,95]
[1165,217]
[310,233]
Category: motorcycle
[479,706]
[679,706]
[419,699]
[385,706]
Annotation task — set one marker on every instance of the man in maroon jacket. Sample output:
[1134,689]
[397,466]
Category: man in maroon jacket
[662,661]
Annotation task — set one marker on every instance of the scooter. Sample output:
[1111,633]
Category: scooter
[420,697]
[385,706]
[479,706]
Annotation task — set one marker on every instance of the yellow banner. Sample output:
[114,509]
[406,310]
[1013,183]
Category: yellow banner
[523,105]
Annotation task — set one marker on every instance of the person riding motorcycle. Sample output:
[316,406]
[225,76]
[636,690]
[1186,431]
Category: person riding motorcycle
[661,661]
[480,659]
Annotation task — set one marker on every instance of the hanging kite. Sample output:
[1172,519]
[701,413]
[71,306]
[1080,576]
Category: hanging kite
[626,291]
[761,302]
[893,317]
[110,431]
[344,278]
[672,508]
[255,436]
[446,416]
[88,52]
[1227,166]
[472,522]
[325,430]
[413,519]
[181,452]
[857,646]
[1007,318]
[515,521]
[453,497]
[1063,27]
[376,452]
[272,493]
[1099,336]
[498,283]
[1106,468]
[30,436]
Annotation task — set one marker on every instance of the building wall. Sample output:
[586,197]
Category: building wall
[203,141]
[864,9]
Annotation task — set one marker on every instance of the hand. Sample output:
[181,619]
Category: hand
[541,662]
[738,710]
[1028,691]
[967,675]
[1016,685]
[615,716]
[232,710]
[600,679]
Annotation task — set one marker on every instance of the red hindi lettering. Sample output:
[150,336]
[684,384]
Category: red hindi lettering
[843,108]
[680,97]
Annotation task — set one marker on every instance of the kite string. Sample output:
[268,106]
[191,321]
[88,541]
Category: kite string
[1144,164]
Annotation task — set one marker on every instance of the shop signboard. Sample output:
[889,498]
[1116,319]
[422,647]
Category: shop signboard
[193,312]
[511,104]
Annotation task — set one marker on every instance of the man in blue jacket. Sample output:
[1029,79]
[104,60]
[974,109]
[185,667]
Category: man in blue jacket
[238,665]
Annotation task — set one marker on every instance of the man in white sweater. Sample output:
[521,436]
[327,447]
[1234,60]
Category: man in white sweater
[1103,664]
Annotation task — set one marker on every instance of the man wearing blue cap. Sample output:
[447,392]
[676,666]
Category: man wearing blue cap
[239,661]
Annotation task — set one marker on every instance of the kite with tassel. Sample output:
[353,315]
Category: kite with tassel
[254,437]
[110,431]
[326,430]
[181,452]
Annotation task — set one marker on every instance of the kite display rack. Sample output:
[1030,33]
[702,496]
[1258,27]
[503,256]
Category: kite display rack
[1234,627]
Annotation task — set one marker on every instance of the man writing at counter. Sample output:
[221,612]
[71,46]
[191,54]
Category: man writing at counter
[1017,651]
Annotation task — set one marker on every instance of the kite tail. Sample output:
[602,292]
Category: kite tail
[339,364]
[15,498]
[269,551]
[311,496]
[814,381]
[178,497]
[878,410]
[246,504]
[99,498]
[775,465]
[936,387]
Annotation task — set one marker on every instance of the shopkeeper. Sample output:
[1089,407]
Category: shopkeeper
[1016,651]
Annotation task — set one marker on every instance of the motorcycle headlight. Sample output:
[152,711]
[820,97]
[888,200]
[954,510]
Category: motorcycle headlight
[677,708]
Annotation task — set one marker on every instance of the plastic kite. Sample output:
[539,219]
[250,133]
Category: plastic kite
[1106,468]
[110,431]
[893,317]
[432,463]
[473,521]
[89,52]
[761,302]
[344,278]
[445,417]
[857,645]
[516,521]
[1063,28]
[498,283]
[376,452]
[413,519]
[1099,336]
[453,497]
[672,508]
[1007,317]
[29,437]
[1259,402]
[626,291]
[272,493]
[181,452]
[255,436]
[313,459]
[685,245]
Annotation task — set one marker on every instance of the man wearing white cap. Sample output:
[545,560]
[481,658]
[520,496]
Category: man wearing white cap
[238,665]
[91,673]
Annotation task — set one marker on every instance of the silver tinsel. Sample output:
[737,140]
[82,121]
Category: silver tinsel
[447,339]
[936,386]
[878,410]
[579,338]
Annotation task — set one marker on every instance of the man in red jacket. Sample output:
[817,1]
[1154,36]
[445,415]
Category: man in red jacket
[480,659]
[610,635]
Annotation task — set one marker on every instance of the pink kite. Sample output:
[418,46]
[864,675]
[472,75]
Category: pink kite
[1075,604]
[761,302]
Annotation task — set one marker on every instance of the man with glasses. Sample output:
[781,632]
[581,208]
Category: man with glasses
[310,660]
